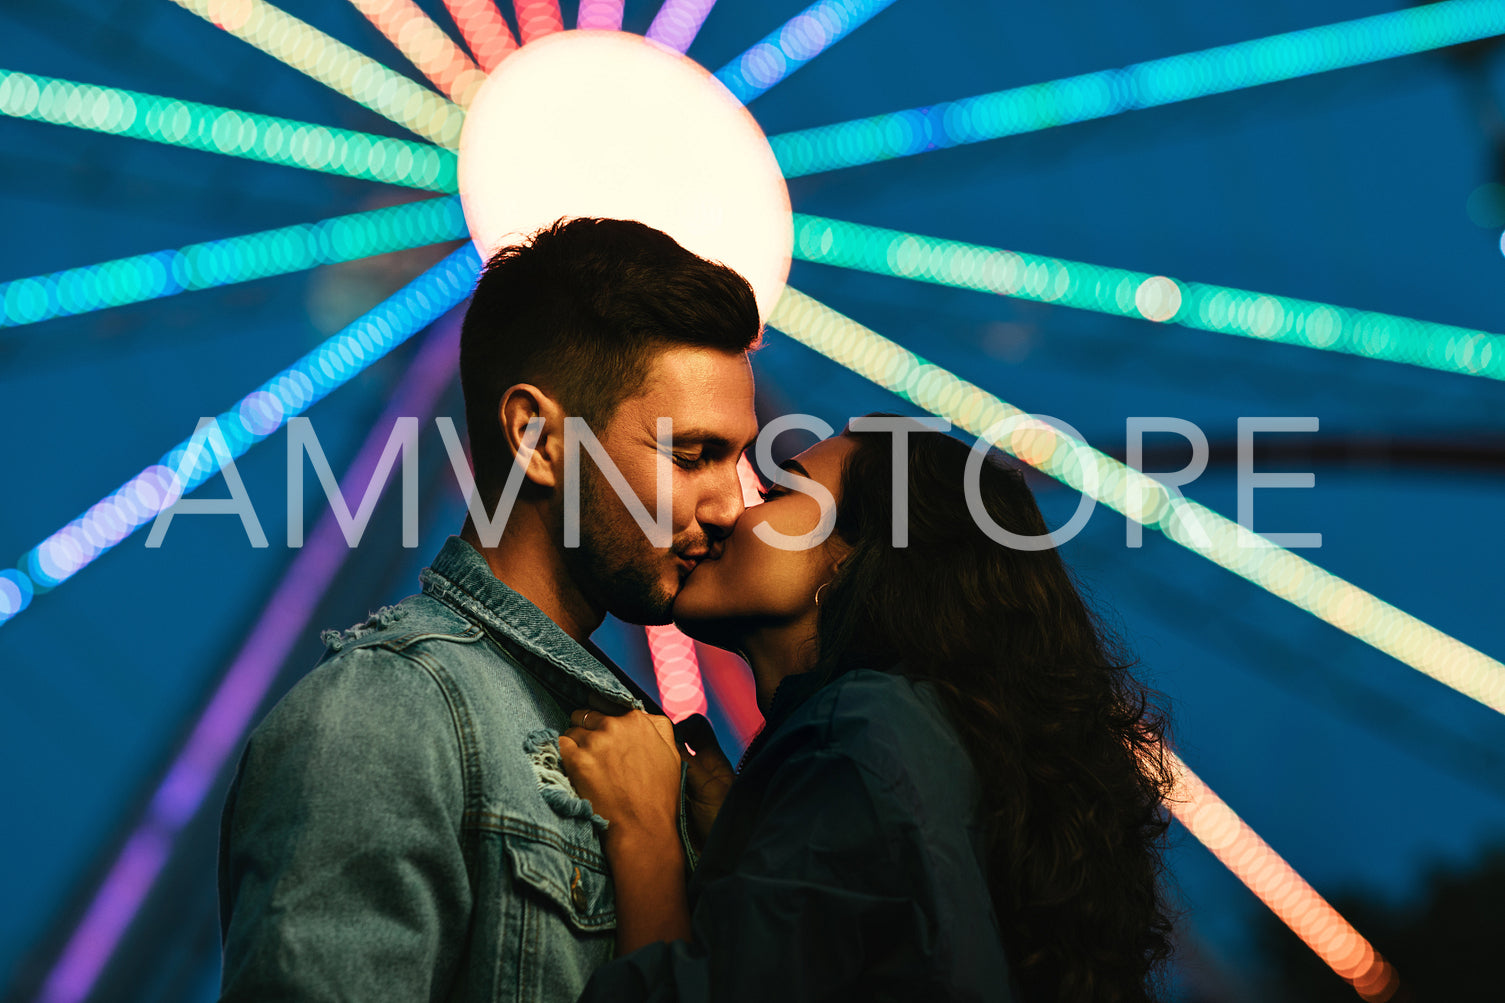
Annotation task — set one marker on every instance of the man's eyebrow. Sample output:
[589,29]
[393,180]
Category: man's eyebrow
[704,437]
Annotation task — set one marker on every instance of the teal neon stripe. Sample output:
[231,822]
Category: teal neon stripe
[1142,85]
[337,360]
[1126,293]
[233,259]
[224,130]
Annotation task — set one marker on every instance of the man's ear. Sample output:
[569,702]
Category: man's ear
[520,404]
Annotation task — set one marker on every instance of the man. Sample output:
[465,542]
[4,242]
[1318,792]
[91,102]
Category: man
[398,827]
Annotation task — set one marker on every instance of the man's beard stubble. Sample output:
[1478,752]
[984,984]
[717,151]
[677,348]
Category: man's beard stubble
[615,565]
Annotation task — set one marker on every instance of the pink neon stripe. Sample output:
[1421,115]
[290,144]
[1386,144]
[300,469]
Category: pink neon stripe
[1278,886]
[484,30]
[424,43]
[728,681]
[537,18]
[601,15]
[678,672]
[678,22]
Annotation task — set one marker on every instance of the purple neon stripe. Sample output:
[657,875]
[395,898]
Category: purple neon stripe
[601,15]
[139,864]
[239,694]
[678,22]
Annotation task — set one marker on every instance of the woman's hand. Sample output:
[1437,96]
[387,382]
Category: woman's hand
[709,777]
[627,766]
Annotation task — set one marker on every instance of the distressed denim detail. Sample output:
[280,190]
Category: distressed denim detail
[542,747]
[384,617]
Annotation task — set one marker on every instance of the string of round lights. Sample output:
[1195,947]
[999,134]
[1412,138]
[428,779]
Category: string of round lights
[426,46]
[1126,293]
[799,40]
[1144,499]
[1265,873]
[254,417]
[336,65]
[233,259]
[483,29]
[226,131]
[1142,85]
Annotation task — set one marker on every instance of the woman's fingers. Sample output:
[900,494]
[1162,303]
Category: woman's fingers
[696,732]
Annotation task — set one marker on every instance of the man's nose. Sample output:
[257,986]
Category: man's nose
[722,506]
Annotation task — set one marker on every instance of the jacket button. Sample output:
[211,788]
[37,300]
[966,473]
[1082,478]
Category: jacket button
[577,892]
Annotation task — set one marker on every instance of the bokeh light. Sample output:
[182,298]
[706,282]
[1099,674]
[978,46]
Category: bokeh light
[234,259]
[16,591]
[600,15]
[799,40]
[226,131]
[1486,206]
[484,30]
[615,125]
[678,22]
[1124,489]
[675,667]
[336,65]
[1265,873]
[537,18]
[1142,85]
[426,45]
[1125,293]
[253,418]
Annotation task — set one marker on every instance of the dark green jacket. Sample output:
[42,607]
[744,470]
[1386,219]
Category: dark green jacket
[846,864]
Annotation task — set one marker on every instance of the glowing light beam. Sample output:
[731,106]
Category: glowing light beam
[803,37]
[220,728]
[250,420]
[600,15]
[230,260]
[336,65]
[1144,499]
[678,22]
[484,30]
[1124,293]
[677,671]
[1142,85]
[226,131]
[1263,871]
[537,18]
[426,46]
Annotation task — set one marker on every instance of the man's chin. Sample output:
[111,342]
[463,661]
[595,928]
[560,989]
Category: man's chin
[646,612]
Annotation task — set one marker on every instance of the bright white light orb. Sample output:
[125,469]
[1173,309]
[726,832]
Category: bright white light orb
[606,123]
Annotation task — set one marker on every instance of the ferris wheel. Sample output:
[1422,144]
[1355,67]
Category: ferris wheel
[522,118]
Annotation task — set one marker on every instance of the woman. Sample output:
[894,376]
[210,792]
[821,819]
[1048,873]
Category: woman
[957,791]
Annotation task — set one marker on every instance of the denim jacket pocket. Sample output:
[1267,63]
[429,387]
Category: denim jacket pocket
[573,881]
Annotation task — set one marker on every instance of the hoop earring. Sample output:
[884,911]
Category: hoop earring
[818,592]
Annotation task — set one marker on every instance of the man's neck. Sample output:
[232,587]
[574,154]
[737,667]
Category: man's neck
[526,562]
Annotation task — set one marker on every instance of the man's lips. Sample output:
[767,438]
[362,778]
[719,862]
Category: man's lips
[689,561]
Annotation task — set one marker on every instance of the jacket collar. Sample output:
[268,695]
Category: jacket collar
[793,690]
[460,577]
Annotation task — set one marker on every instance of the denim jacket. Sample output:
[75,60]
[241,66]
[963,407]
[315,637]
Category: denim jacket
[399,828]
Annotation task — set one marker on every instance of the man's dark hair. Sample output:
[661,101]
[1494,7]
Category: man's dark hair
[579,310]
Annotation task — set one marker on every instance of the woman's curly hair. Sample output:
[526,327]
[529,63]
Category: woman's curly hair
[1066,742]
